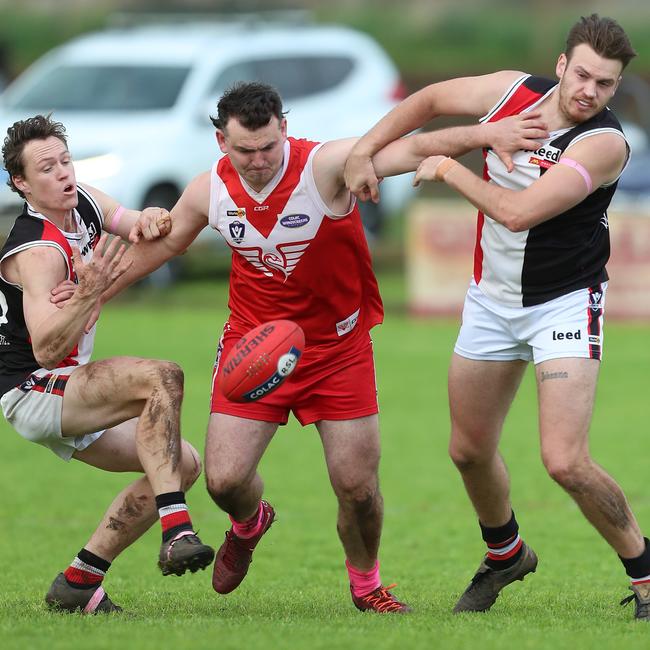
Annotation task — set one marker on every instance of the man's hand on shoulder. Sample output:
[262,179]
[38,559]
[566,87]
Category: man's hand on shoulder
[523,132]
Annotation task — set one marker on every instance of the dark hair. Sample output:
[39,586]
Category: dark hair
[605,37]
[39,127]
[252,104]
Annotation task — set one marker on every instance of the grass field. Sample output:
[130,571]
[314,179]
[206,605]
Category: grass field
[296,594]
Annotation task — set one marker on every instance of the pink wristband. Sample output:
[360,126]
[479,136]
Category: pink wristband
[569,162]
[443,167]
[116,218]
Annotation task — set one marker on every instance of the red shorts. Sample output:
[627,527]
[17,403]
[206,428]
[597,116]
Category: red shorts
[333,384]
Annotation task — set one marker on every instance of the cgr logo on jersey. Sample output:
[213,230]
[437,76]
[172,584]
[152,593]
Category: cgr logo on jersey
[545,156]
[237,231]
[294,220]
[239,213]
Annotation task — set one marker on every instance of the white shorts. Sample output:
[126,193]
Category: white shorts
[34,410]
[568,326]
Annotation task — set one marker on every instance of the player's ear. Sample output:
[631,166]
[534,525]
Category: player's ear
[561,65]
[221,141]
[20,183]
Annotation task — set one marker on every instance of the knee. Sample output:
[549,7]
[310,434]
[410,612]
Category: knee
[566,471]
[170,376]
[191,466]
[359,495]
[465,457]
[222,487]
[151,375]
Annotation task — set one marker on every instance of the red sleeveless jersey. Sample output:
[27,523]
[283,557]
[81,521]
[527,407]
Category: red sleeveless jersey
[291,258]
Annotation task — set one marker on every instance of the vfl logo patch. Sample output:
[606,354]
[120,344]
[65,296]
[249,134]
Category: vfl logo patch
[239,212]
[545,156]
[294,220]
[237,231]
[595,299]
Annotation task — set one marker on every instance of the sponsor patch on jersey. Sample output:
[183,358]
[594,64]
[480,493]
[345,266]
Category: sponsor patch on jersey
[347,324]
[594,340]
[239,212]
[545,156]
[294,220]
[237,231]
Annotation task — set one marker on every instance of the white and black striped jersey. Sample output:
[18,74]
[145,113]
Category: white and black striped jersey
[562,254]
[33,229]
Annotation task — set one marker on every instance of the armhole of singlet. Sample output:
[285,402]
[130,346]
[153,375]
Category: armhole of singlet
[314,194]
[24,247]
[592,132]
[504,98]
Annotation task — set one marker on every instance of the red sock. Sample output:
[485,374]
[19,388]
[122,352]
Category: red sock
[250,527]
[363,582]
[86,570]
[174,519]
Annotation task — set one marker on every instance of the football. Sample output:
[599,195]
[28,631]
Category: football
[261,360]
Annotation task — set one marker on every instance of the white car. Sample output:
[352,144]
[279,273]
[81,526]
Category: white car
[136,101]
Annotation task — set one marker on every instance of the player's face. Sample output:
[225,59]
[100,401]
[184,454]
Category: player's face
[256,155]
[49,182]
[587,83]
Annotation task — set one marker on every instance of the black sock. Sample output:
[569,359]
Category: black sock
[638,567]
[502,538]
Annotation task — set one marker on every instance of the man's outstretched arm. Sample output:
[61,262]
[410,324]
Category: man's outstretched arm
[469,96]
[405,154]
[592,162]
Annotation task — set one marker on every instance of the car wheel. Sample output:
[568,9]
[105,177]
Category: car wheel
[163,196]
[372,218]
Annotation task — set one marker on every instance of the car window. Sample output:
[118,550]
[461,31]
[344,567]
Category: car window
[106,88]
[291,76]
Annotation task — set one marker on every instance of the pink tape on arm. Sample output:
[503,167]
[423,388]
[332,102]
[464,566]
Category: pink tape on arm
[569,162]
[116,218]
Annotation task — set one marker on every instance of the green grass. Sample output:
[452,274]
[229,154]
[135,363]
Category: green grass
[296,594]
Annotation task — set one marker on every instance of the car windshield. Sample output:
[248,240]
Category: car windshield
[101,88]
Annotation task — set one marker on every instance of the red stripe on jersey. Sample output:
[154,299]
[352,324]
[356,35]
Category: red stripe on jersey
[517,102]
[478,251]
[53,234]
[265,220]
[480,220]
[520,99]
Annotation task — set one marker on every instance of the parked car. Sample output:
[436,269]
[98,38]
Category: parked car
[136,101]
